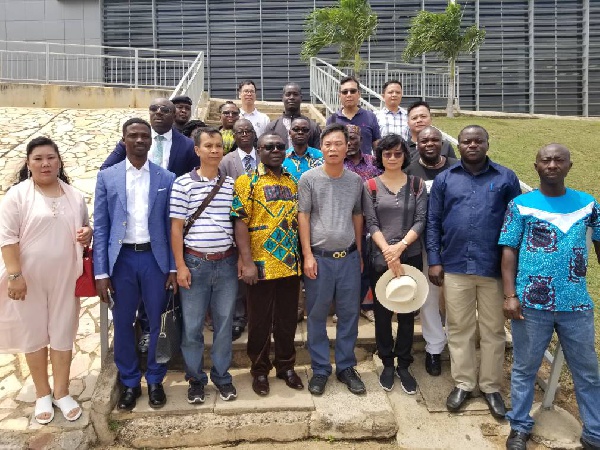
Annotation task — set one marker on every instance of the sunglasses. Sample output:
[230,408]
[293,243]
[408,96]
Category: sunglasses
[298,130]
[271,147]
[349,91]
[388,155]
[162,108]
[230,113]
[244,132]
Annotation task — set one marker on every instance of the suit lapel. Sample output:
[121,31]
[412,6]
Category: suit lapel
[155,175]
[238,163]
[173,153]
[122,185]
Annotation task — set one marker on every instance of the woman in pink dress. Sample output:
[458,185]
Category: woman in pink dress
[43,229]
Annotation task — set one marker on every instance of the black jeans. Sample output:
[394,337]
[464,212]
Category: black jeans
[387,349]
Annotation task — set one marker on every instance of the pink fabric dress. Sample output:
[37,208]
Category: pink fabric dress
[51,262]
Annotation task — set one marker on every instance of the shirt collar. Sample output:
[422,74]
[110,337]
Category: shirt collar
[362,160]
[246,113]
[243,154]
[262,170]
[387,111]
[129,166]
[168,135]
[291,152]
[489,165]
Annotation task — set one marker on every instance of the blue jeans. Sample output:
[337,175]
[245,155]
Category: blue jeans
[339,280]
[575,330]
[214,285]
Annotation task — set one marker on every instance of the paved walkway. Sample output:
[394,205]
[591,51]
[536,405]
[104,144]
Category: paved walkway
[84,137]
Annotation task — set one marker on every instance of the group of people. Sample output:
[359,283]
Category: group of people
[234,220]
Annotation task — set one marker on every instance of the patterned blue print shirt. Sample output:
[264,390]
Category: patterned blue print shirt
[550,234]
[297,165]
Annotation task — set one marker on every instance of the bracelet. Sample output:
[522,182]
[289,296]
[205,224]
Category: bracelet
[404,242]
[506,297]
[14,276]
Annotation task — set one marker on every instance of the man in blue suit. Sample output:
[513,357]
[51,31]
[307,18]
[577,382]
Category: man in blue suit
[132,256]
[170,150]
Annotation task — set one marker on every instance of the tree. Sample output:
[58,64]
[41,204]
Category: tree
[442,34]
[347,26]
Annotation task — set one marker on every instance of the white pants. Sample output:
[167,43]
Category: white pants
[431,320]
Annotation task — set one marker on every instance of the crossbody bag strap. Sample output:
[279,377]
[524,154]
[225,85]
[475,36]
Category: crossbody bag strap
[406,200]
[204,204]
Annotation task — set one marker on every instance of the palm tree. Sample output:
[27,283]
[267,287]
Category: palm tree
[442,34]
[347,25]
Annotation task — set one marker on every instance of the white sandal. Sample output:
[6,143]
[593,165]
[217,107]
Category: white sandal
[44,405]
[66,405]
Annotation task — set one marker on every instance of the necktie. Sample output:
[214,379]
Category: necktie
[158,150]
[248,163]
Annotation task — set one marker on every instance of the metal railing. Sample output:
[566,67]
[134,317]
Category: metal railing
[97,65]
[192,83]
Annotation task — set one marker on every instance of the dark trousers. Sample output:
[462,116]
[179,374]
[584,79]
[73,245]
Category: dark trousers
[387,349]
[137,275]
[272,305]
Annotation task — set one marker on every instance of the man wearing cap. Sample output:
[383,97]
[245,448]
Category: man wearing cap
[247,94]
[330,223]
[183,111]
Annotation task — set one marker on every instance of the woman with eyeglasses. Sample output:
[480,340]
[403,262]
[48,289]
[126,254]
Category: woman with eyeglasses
[395,208]
[230,113]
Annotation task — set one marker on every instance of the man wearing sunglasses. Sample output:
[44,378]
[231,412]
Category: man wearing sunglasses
[266,233]
[352,114]
[300,157]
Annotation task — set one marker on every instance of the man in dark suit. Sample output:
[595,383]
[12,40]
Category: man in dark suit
[132,256]
[170,149]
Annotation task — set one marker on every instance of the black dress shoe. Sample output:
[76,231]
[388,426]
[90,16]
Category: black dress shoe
[156,396]
[291,378]
[433,364]
[128,398]
[260,385]
[496,404]
[517,440]
[456,399]
[236,332]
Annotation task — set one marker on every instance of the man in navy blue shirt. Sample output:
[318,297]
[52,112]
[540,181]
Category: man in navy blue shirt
[467,203]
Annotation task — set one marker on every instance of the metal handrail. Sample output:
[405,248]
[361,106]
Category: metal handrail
[192,82]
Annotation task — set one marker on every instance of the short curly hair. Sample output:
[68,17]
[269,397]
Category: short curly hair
[387,143]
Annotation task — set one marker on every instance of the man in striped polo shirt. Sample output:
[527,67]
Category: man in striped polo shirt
[206,263]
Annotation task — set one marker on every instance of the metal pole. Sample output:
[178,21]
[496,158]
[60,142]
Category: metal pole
[531,13]
[154,41]
[207,14]
[103,332]
[136,67]
[552,385]
[47,62]
[585,58]
[262,81]
[477,60]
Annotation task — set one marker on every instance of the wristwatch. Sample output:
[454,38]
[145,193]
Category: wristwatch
[404,242]
[506,297]
[14,276]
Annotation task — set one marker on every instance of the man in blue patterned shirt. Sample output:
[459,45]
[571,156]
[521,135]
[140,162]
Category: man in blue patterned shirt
[544,264]
[300,157]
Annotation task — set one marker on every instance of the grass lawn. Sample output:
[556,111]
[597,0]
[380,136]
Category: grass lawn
[515,142]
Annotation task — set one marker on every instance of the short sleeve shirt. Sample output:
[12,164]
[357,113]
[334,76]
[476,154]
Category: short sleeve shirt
[297,165]
[550,234]
[366,121]
[268,205]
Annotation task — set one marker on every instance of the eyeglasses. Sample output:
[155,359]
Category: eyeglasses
[298,130]
[230,113]
[388,155]
[349,91]
[271,147]
[248,91]
[244,132]
[162,108]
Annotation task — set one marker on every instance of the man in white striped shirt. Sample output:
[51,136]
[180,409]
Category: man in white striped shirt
[206,262]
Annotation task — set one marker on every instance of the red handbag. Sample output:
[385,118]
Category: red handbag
[86,284]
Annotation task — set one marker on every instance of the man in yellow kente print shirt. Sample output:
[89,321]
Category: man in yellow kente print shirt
[266,233]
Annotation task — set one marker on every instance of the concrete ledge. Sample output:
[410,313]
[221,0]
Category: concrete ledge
[104,399]
[555,427]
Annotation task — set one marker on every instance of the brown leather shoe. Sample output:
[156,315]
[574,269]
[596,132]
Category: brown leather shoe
[260,385]
[292,379]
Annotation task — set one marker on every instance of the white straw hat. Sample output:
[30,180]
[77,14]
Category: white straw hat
[404,294]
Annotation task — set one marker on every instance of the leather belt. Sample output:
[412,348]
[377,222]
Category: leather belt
[335,254]
[210,256]
[145,247]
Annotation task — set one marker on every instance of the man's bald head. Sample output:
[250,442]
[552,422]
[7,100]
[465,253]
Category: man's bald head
[553,148]
[432,131]
[552,164]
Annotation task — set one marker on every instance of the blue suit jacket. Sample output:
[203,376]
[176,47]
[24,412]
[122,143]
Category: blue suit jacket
[182,159]
[110,217]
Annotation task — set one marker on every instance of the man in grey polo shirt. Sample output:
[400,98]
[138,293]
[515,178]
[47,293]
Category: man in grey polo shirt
[330,224]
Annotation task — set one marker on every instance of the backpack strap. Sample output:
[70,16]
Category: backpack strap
[373,188]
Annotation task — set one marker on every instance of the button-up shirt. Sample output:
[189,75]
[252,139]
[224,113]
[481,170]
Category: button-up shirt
[465,215]
[366,121]
[296,165]
[259,120]
[137,185]
[393,122]
[166,143]
[365,167]
[242,154]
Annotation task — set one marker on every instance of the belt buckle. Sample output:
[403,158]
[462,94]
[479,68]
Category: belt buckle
[338,255]
[135,248]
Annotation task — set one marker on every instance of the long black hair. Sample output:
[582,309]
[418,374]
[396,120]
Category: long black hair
[40,141]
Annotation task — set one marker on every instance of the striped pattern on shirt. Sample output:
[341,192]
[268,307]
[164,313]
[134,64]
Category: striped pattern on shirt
[213,230]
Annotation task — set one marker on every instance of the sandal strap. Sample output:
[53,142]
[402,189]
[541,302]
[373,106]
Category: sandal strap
[67,404]
[43,405]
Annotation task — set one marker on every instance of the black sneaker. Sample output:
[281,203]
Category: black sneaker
[386,379]
[517,440]
[227,391]
[407,381]
[351,378]
[195,392]
[317,383]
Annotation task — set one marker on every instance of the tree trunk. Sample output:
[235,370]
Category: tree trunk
[451,82]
